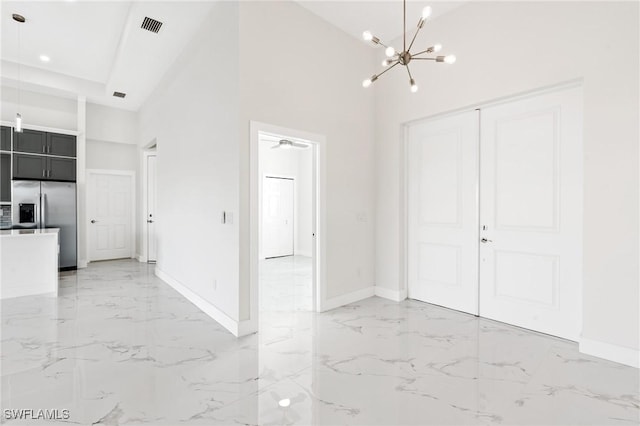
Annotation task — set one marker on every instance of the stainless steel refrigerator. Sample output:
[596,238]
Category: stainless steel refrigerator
[43,204]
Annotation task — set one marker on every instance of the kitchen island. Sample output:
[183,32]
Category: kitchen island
[28,262]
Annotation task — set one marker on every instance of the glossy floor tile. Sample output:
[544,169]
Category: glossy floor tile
[121,347]
[285,284]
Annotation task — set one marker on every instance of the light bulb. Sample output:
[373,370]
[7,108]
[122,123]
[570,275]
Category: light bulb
[367,36]
[450,59]
[389,51]
[437,48]
[18,127]
[366,83]
[414,86]
[45,58]
[284,403]
[426,12]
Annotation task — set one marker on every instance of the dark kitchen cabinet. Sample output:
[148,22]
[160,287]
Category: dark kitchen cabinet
[30,141]
[42,167]
[5,138]
[33,141]
[58,144]
[61,169]
[5,177]
[29,166]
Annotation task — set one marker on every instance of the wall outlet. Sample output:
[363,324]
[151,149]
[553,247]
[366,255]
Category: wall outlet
[361,217]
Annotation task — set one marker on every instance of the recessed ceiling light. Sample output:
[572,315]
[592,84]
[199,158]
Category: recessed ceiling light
[45,58]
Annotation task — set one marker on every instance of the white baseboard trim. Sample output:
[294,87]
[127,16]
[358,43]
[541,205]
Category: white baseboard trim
[611,352]
[82,263]
[303,253]
[247,327]
[387,293]
[220,317]
[140,258]
[345,299]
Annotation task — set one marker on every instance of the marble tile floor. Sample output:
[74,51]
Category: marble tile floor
[121,347]
[285,284]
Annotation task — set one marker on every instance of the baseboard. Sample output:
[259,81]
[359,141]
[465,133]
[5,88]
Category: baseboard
[220,317]
[608,351]
[140,258]
[303,253]
[387,293]
[247,327]
[82,263]
[345,299]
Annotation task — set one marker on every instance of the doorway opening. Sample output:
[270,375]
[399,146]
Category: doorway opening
[286,223]
[287,232]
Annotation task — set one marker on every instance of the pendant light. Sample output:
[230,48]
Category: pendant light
[405,57]
[18,126]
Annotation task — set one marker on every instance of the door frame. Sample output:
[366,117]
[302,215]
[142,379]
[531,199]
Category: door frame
[143,256]
[295,212]
[132,237]
[404,177]
[319,217]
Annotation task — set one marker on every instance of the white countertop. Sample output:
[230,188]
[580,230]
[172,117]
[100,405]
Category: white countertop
[28,232]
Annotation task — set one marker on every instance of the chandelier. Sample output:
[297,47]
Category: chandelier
[405,56]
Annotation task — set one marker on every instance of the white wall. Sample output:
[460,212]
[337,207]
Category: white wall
[111,124]
[505,48]
[193,117]
[296,164]
[38,109]
[111,156]
[299,72]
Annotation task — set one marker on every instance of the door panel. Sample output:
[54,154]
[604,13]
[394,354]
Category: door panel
[59,211]
[5,138]
[151,209]
[61,169]
[64,145]
[29,166]
[109,211]
[443,212]
[30,141]
[277,217]
[531,217]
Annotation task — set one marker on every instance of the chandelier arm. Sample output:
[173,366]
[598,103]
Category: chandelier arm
[413,55]
[395,63]
[409,71]
[413,58]
[414,37]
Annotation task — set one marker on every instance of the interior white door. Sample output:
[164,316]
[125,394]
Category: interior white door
[109,212]
[443,212]
[151,209]
[277,216]
[531,213]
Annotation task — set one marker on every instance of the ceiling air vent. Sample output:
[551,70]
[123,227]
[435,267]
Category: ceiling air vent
[119,94]
[151,24]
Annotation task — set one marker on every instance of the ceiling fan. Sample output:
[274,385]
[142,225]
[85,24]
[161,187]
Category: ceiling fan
[283,143]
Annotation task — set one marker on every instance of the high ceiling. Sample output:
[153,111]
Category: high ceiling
[382,18]
[97,47]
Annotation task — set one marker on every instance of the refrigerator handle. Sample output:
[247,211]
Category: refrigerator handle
[43,209]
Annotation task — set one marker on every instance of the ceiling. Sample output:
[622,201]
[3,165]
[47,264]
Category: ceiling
[382,18]
[95,48]
[98,47]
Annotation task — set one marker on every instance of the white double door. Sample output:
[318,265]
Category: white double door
[495,212]
[277,217]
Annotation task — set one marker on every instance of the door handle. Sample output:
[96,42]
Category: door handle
[484,240]
[93,221]
[149,221]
